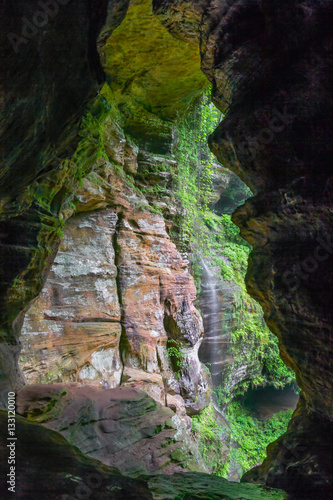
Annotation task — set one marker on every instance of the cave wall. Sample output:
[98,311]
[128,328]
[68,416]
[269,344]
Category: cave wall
[116,290]
[270,64]
[51,70]
[40,172]
[42,103]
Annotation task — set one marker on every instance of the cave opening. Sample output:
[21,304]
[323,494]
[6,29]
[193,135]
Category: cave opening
[147,249]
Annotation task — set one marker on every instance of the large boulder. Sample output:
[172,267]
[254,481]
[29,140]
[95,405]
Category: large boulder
[122,428]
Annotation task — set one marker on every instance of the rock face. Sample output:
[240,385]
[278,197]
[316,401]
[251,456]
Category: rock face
[122,428]
[78,310]
[48,466]
[30,49]
[33,209]
[269,64]
[42,102]
[288,460]
[117,305]
[153,77]
[230,362]
[35,137]
[195,486]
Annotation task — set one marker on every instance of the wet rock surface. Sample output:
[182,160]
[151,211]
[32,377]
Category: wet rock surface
[216,308]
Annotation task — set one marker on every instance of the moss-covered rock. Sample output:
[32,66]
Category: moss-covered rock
[152,76]
[195,486]
[123,427]
[47,466]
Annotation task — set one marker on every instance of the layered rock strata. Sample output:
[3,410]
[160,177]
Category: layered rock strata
[117,305]
[41,123]
[42,101]
[45,89]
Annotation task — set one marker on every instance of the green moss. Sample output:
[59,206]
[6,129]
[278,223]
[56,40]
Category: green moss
[214,238]
[251,436]
[91,146]
[50,411]
[159,80]
[177,356]
[247,436]
[161,75]
[211,437]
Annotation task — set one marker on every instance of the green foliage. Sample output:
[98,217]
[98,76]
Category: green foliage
[252,436]
[215,238]
[176,354]
[275,371]
[91,147]
[230,229]
[248,437]
[211,437]
[195,173]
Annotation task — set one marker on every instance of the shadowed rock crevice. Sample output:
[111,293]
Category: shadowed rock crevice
[122,341]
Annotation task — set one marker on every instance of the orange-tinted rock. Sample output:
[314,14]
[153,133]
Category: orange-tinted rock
[117,294]
[72,330]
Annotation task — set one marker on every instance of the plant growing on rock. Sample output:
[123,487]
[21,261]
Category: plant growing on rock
[176,354]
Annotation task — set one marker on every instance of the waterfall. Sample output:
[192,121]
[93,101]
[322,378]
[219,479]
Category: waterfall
[213,346]
[213,303]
